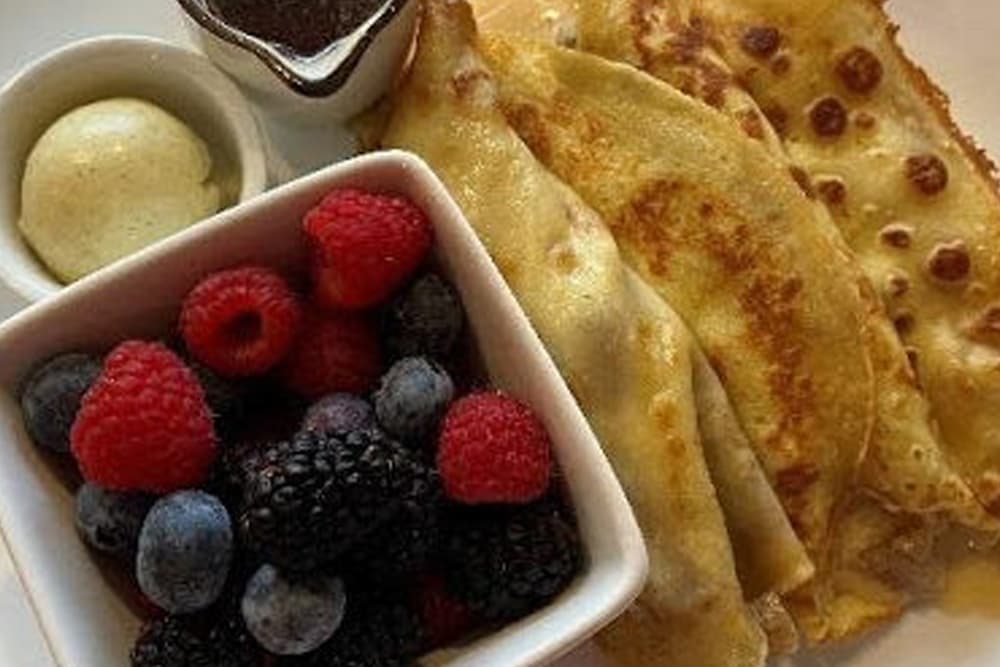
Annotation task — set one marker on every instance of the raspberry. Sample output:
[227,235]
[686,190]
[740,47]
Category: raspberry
[335,352]
[241,321]
[364,245]
[445,618]
[493,449]
[144,424]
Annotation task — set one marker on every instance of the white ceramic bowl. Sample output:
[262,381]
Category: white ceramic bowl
[330,86]
[87,624]
[178,80]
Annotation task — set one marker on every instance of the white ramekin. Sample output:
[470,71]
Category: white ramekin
[179,80]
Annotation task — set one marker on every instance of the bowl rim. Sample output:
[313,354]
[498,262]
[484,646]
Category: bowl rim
[280,64]
[619,585]
[230,106]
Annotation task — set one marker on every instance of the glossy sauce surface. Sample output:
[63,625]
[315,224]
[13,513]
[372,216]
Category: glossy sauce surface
[306,26]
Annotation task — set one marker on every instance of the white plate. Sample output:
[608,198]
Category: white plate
[955,41]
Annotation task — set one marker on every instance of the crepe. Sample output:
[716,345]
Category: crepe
[780,323]
[766,285]
[769,558]
[626,356]
[674,42]
[914,198]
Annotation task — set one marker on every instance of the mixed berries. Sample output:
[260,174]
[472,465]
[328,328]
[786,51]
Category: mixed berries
[296,479]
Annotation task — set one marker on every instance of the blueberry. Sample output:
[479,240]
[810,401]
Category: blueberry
[336,415]
[292,616]
[185,550]
[110,521]
[51,397]
[426,319]
[411,398]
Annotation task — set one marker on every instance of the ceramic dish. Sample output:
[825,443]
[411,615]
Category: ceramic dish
[83,619]
[174,78]
[334,84]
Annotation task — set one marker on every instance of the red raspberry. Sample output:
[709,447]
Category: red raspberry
[144,424]
[335,351]
[364,245]
[493,449]
[444,617]
[241,321]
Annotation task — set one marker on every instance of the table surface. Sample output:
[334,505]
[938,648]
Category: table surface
[954,40]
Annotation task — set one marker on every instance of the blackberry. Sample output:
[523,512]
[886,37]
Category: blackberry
[272,416]
[412,397]
[380,629]
[231,641]
[171,642]
[226,399]
[225,477]
[338,414]
[308,500]
[402,545]
[220,640]
[505,563]
[110,521]
[51,397]
[426,319]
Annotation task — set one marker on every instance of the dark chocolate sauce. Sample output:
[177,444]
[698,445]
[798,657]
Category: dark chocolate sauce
[305,26]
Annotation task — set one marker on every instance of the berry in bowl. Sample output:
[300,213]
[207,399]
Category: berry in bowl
[316,429]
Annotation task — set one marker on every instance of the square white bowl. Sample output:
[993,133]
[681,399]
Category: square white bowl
[87,624]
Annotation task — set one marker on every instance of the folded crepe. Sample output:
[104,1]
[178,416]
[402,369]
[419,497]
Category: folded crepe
[769,558]
[627,357]
[769,290]
[914,198]
[668,180]
[905,465]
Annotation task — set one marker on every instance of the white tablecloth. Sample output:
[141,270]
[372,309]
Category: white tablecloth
[957,41]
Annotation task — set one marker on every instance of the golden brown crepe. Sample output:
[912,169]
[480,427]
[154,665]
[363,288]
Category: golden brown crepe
[626,356]
[668,180]
[914,198]
[769,559]
[906,465]
[671,40]
[763,280]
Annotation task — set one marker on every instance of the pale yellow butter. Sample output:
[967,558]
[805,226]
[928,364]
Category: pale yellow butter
[108,179]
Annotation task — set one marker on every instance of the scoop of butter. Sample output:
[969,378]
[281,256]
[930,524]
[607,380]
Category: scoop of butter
[110,178]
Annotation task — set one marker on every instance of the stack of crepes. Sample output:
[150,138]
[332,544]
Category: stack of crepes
[793,453]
